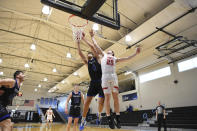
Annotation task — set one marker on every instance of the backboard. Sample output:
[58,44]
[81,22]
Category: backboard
[103,12]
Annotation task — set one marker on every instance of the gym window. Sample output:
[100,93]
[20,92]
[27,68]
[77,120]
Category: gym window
[155,74]
[187,64]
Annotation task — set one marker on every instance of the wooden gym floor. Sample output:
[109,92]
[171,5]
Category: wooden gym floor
[62,127]
[55,127]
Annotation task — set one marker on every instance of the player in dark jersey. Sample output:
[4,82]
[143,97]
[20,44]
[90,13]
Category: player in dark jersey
[9,88]
[94,68]
[76,98]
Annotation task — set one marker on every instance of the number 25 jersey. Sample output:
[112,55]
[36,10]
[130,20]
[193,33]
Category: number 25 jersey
[108,64]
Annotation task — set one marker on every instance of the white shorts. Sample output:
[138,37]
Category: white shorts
[49,118]
[109,83]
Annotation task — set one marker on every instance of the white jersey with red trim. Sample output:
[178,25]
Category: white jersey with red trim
[108,64]
[49,114]
[109,77]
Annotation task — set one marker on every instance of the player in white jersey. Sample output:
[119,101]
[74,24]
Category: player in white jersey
[50,115]
[110,80]
[109,77]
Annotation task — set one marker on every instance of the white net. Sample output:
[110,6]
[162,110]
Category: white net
[78,25]
[77,33]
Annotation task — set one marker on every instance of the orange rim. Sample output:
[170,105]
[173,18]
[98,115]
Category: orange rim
[71,16]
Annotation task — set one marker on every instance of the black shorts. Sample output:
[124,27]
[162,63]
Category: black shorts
[161,118]
[95,88]
[4,114]
[75,112]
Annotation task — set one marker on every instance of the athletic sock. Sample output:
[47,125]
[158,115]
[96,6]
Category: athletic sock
[118,113]
[99,115]
[83,119]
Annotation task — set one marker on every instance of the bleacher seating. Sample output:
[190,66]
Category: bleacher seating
[128,118]
[181,117]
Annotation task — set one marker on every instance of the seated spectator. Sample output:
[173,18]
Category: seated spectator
[130,108]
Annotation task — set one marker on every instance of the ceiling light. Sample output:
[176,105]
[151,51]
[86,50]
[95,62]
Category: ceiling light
[36,90]
[1,60]
[128,38]
[46,10]
[49,91]
[1,73]
[39,86]
[75,74]
[55,88]
[63,82]
[127,72]
[26,65]
[54,70]
[45,79]
[68,55]
[33,47]
[95,27]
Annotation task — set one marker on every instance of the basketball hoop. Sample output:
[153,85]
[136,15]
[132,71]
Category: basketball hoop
[78,25]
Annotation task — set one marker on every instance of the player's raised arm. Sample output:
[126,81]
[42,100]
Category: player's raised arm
[129,57]
[66,105]
[91,46]
[7,83]
[96,46]
[81,54]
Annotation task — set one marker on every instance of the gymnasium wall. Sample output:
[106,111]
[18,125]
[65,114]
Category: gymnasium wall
[163,89]
[30,95]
